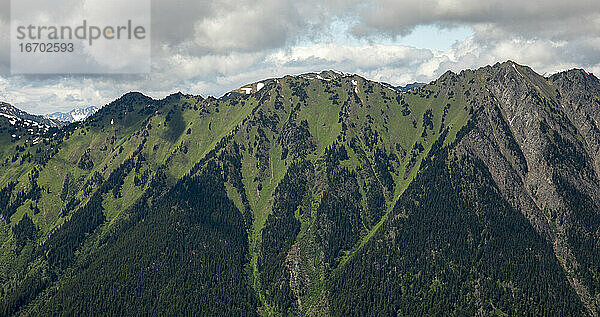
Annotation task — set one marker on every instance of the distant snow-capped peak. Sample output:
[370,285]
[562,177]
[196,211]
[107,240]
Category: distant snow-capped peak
[74,115]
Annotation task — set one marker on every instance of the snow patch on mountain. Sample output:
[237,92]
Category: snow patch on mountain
[18,116]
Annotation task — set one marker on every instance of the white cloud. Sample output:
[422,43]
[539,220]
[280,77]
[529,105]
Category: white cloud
[210,47]
[548,18]
[244,28]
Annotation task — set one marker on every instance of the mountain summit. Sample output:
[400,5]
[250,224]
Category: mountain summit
[316,194]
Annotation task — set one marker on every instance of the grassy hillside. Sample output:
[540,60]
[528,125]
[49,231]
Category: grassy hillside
[269,200]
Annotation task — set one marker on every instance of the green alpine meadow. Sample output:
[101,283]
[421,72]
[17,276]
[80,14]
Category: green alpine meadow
[318,194]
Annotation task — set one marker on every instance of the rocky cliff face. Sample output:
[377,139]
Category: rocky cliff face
[539,139]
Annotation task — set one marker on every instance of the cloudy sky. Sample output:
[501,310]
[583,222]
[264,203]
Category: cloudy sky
[209,47]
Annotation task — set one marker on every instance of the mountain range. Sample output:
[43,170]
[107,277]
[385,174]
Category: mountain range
[317,194]
[74,115]
[15,115]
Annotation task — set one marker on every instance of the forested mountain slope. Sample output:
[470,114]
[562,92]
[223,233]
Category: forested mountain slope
[316,194]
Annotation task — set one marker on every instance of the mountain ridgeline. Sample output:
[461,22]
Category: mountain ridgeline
[319,194]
